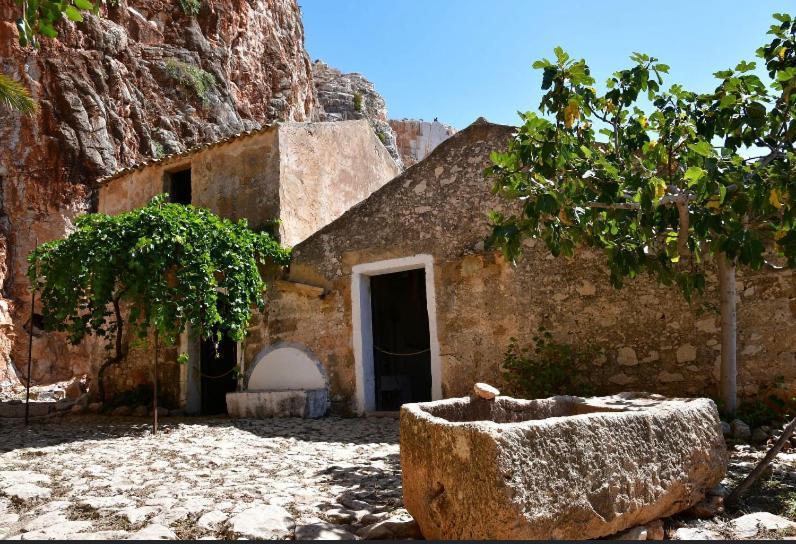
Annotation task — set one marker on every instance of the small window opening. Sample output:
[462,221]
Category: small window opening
[178,185]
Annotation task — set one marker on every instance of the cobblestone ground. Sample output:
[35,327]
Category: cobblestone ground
[103,478]
[108,478]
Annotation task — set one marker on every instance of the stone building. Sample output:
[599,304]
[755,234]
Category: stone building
[303,174]
[400,301]
[392,296]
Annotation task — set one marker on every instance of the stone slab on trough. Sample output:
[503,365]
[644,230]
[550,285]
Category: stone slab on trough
[557,468]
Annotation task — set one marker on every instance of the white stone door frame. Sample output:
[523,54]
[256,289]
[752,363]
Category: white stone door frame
[363,324]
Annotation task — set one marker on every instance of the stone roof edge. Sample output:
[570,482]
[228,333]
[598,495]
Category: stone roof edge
[202,147]
[182,154]
[461,134]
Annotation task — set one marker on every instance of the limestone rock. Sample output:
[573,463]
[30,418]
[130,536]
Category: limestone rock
[740,430]
[73,390]
[122,411]
[636,533]
[750,525]
[696,533]
[626,356]
[352,96]
[391,529]
[154,531]
[709,507]
[27,492]
[322,531]
[759,436]
[655,530]
[485,391]
[266,522]
[467,476]
[210,520]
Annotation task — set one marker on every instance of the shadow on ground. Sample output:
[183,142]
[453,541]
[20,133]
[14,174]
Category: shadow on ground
[87,428]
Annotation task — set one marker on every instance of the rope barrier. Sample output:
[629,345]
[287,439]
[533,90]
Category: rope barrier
[401,354]
[217,377]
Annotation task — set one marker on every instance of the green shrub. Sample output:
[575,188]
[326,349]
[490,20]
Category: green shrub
[358,102]
[192,77]
[157,149]
[191,7]
[548,368]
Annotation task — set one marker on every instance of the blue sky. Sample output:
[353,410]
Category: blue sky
[460,59]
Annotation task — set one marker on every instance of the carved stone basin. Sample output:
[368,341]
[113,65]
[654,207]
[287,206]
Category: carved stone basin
[557,468]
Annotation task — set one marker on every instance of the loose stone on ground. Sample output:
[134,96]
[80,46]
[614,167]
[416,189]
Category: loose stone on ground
[93,477]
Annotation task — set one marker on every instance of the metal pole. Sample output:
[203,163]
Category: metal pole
[30,345]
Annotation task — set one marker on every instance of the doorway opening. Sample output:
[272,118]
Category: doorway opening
[401,341]
[406,291]
[178,186]
[218,374]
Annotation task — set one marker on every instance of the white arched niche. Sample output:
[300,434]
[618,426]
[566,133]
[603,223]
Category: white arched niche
[285,368]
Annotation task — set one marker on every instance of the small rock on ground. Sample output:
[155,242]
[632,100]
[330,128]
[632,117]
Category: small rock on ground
[389,529]
[323,531]
[266,522]
[696,533]
[26,492]
[750,525]
[636,533]
[211,519]
[154,532]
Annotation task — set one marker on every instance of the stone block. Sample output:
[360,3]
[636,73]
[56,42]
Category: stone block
[557,468]
[307,403]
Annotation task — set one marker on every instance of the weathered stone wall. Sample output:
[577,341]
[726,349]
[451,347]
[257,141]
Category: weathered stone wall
[107,101]
[352,96]
[652,339]
[417,139]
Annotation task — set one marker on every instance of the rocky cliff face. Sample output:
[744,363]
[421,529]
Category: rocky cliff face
[143,80]
[352,96]
[416,139]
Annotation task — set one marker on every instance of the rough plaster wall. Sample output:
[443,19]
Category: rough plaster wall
[652,339]
[325,168]
[236,180]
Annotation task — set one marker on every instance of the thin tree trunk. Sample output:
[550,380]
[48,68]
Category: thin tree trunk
[118,353]
[728,324]
[741,488]
[155,387]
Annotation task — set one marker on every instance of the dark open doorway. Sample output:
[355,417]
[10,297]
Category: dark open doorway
[178,186]
[401,342]
[218,376]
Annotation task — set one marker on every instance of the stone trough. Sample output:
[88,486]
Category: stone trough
[284,381]
[556,468]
